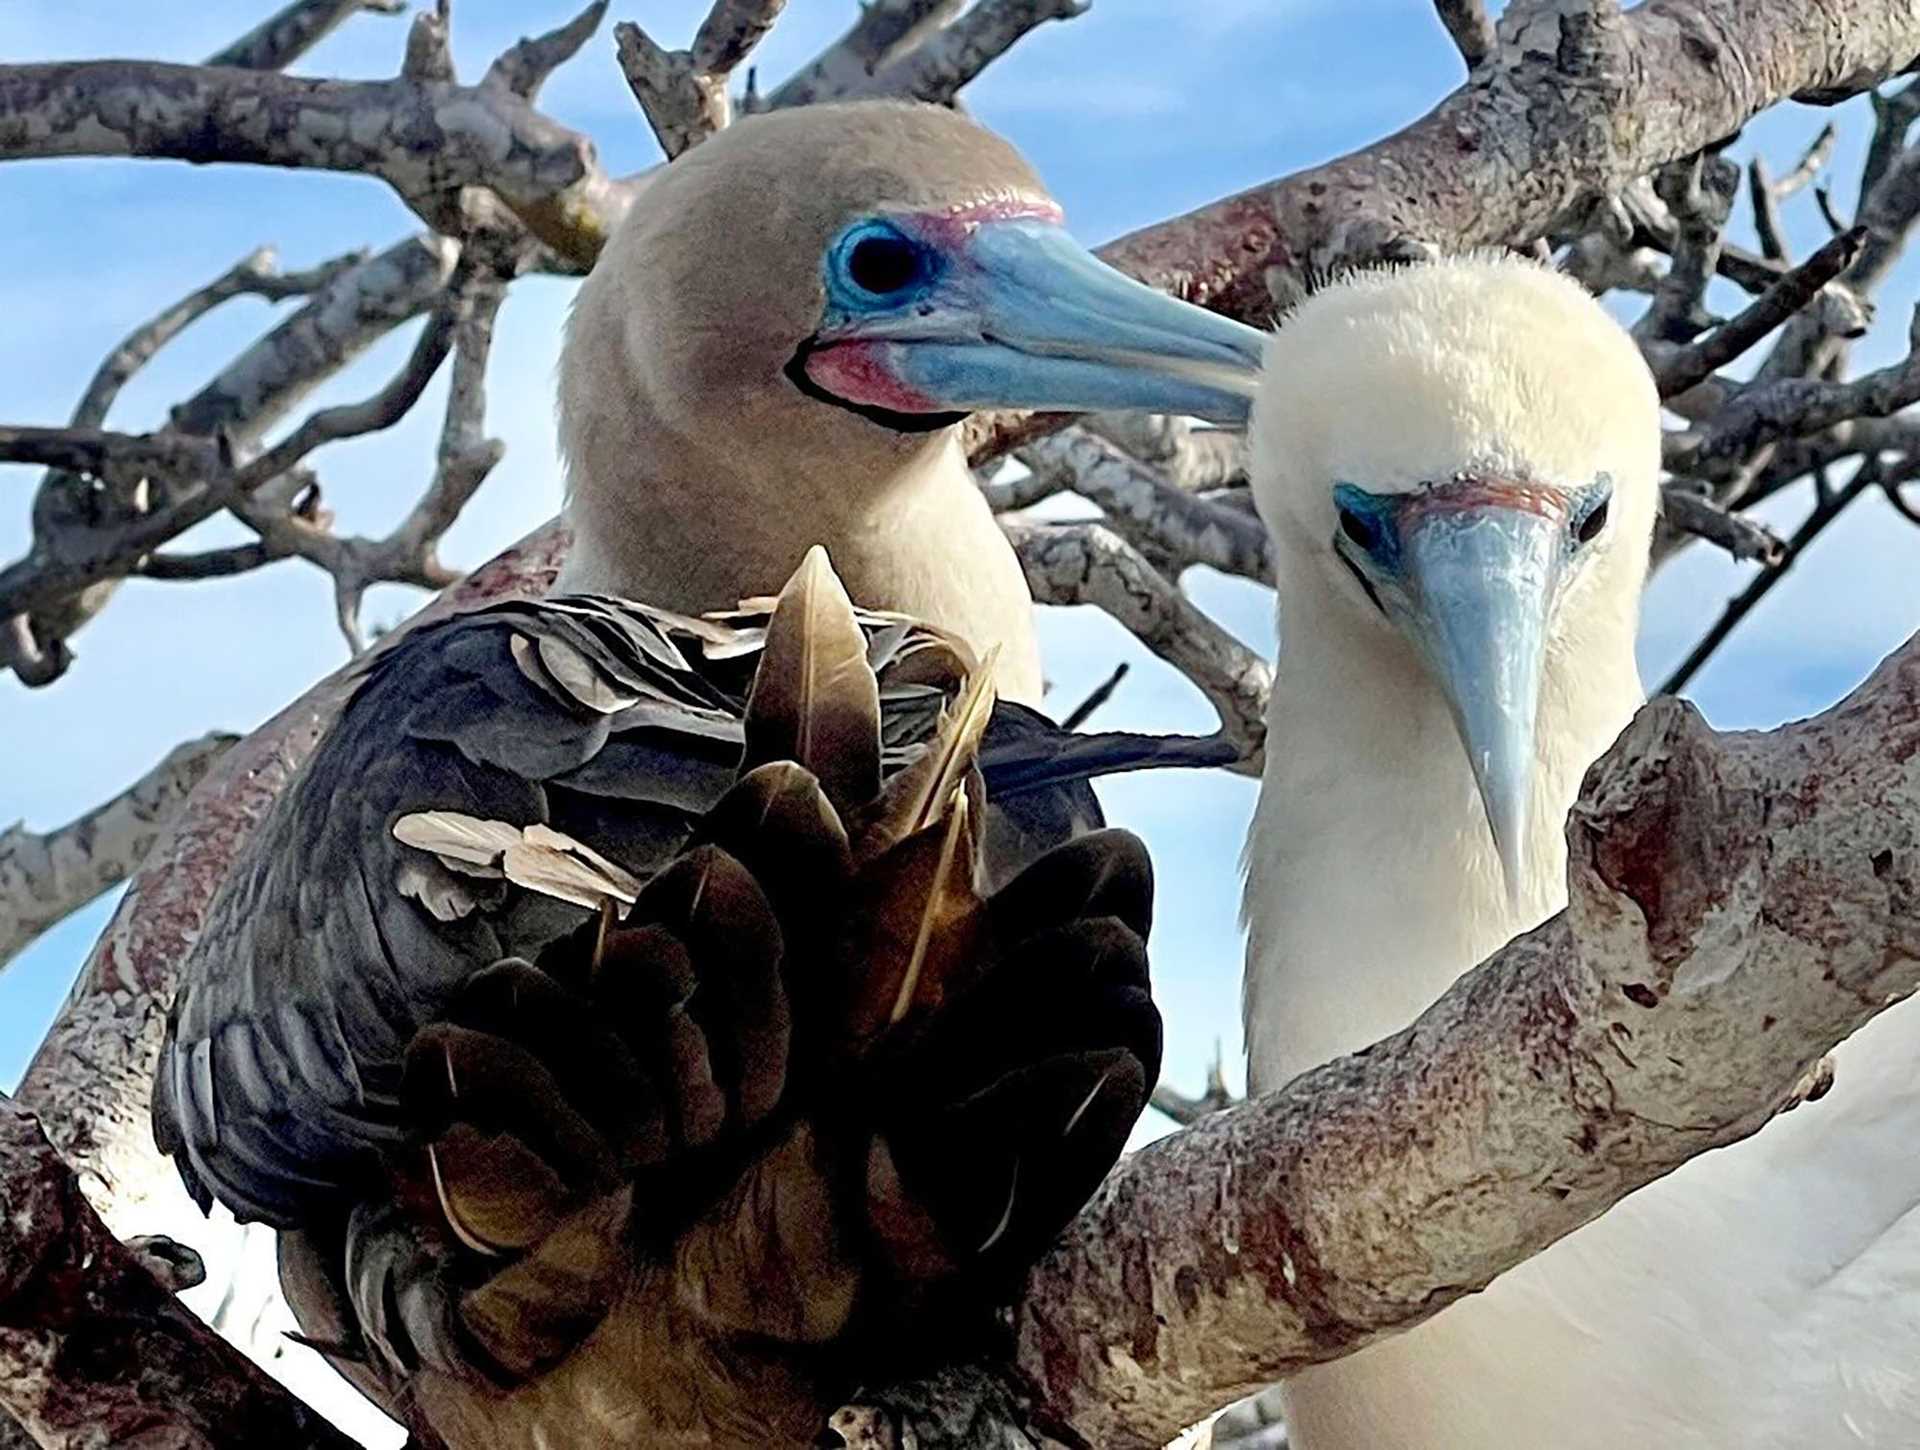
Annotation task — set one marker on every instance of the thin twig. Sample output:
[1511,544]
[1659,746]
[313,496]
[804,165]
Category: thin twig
[1824,513]
[1691,510]
[1765,196]
[1213,1098]
[1098,696]
[1693,363]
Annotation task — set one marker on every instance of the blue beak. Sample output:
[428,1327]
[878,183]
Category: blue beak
[1481,583]
[1015,314]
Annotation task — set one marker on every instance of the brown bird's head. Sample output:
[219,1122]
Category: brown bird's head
[830,285]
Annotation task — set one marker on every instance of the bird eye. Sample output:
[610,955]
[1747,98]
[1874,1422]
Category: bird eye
[1590,525]
[881,262]
[1359,528]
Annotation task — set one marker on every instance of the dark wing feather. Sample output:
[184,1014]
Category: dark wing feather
[331,943]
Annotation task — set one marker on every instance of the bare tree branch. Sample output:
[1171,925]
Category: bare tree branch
[1693,363]
[408,555]
[1765,196]
[1090,564]
[1689,509]
[94,1350]
[1497,160]
[683,103]
[946,61]
[282,38]
[524,67]
[1768,411]
[1699,193]
[200,492]
[885,29]
[1187,1111]
[1191,457]
[1471,27]
[352,306]
[422,139]
[119,458]
[1824,513]
[1188,528]
[46,876]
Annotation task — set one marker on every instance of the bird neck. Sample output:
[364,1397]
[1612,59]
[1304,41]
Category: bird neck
[698,526]
[1372,881]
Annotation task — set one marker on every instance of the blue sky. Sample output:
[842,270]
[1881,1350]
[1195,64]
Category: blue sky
[1138,110]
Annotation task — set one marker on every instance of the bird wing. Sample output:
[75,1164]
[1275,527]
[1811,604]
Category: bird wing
[528,745]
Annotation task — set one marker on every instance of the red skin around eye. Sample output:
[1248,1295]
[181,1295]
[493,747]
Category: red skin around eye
[951,227]
[1474,491]
[858,372]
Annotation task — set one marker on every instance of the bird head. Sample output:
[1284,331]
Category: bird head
[839,281]
[1463,458]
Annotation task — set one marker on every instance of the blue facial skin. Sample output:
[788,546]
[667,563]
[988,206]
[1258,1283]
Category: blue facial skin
[1472,583]
[1013,313]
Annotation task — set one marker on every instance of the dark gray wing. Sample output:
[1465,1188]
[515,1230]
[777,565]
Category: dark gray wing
[331,943]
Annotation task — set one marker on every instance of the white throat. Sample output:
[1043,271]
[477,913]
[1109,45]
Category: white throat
[1372,882]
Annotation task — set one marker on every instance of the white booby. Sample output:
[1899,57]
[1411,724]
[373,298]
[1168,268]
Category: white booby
[1460,466]
[772,354]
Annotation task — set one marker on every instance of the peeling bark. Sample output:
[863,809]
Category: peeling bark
[95,1351]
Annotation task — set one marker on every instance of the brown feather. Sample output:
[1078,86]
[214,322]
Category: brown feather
[915,798]
[815,700]
[539,1309]
[914,925]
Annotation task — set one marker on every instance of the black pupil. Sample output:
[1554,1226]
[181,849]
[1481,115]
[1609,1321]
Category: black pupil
[1593,523]
[883,264]
[1359,529]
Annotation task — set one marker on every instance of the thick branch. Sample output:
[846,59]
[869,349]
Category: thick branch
[1739,904]
[422,138]
[1471,27]
[94,1350]
[1500,158]
[45,876]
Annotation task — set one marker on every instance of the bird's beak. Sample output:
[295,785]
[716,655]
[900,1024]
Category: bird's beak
[1025,317]
[1483,566]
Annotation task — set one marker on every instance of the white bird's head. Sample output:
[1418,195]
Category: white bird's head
[1461,460]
